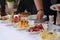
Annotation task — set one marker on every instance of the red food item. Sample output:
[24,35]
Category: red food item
[58,7]
[16,19]
[54,7]
[36,26]
[36,29]
[16,16]
[40,26]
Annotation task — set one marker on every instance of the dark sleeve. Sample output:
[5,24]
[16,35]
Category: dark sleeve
[21,7]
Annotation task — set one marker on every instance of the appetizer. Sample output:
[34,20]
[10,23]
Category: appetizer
[46,35]
[23,24]
[15,19]
[36,28]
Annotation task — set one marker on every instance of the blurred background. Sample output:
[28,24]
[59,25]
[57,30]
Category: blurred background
[11,5]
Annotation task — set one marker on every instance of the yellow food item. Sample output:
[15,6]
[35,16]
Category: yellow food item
[23,24]
[12,15]
[46,35]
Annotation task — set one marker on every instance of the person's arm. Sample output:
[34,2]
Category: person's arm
[39,6]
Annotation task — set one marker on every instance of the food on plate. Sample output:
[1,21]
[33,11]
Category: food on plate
[54,7]
[24,14]
[21,16]
[23,24]
[15,19]
[36,28]
[58,7]
[3,18]
[46,35]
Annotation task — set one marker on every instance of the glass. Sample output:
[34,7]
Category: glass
[51,19]
[58,18]
[50,23]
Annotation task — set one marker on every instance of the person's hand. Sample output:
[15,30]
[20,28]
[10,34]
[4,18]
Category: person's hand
[39,16]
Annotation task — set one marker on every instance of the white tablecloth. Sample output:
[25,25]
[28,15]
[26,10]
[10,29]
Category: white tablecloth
[11,33]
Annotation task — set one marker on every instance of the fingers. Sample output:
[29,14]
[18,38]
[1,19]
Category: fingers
[38,18]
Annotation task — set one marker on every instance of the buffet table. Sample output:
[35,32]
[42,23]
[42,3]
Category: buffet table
[11,33]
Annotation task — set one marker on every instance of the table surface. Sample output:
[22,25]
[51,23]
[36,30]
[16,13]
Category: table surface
[11,33]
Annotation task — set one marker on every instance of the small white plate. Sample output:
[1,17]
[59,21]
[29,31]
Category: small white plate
[16,26]
[33,17]
[55,5]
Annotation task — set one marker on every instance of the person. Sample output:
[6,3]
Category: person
[32,6]
[48,11]
[2,9]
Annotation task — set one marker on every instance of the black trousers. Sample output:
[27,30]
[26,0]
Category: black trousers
[2,9]
[48,11]
[27,5]
[54,13]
